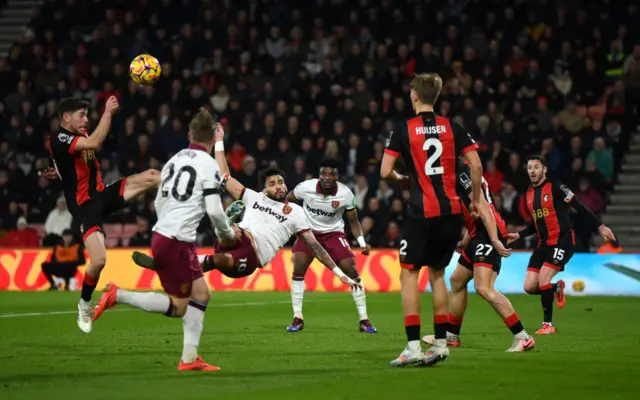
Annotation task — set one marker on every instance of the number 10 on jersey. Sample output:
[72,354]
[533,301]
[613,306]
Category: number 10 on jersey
[429,169]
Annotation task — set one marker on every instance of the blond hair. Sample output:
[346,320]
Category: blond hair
[201,127]
[427,87]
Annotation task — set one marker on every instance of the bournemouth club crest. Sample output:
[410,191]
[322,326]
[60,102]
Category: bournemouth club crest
[546,198]
[286,209]
[335,204]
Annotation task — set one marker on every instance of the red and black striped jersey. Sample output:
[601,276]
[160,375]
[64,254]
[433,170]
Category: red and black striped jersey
[548,204]
[79,170]
[476,227]
[430,146]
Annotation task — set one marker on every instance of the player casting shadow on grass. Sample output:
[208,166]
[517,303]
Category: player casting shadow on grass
[88,199]
[548,204]
[324,202]
[190,187]
[481,251]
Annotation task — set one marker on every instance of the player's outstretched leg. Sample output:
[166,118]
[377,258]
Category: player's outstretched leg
[301,261]
[137,184]
[348,266]
[94,242]
[458,299]
[484,281]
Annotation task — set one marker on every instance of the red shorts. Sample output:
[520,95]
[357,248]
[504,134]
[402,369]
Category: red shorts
[335,243]
[176,263]
[245,259]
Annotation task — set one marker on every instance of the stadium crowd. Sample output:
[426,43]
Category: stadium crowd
[294,81]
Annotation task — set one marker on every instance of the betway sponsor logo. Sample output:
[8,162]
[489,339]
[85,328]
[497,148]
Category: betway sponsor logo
[281,218]
[321,213]
[430,130]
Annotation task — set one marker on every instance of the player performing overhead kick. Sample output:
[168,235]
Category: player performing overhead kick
[548,203]
[481,251]
[269,222]
[325,201]
[88,199]
[430,146]
[190,187]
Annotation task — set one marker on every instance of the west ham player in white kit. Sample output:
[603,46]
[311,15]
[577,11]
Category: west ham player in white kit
[269,222]
[324,202]
[190,187]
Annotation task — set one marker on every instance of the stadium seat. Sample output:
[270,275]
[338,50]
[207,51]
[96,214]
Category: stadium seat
[111,241]
[129,230]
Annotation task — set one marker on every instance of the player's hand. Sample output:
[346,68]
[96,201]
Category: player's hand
[503,251]
[219,136]
[112,105]
[512,237]
[348,281]
[366,249]
[473,209]
[606,233]
[49,173]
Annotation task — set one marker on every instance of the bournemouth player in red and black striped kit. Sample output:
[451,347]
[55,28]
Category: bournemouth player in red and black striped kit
[429,146]
[548,204]
[88,198]
[481,251]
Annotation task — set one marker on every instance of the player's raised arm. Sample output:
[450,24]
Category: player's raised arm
[321,254]
[563,192]
[467,148]
[391,154]
[231,185]
[213,203]
[96,139]
[356,228]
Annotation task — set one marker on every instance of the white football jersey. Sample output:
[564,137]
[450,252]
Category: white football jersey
[324,213]
[180,201]
[270,222]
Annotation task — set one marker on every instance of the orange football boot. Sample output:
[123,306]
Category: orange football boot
[107,301]
[559,295]
[547,329]
[197,365]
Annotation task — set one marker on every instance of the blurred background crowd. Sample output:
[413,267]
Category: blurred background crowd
[295,80]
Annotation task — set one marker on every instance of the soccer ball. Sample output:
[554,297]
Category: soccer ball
[145,70]
[578,286]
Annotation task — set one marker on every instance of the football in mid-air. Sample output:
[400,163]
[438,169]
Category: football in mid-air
[578,286]
[145,70]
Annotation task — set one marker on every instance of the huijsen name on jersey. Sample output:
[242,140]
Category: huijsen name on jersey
[430,130]
[268,210]
[319,212]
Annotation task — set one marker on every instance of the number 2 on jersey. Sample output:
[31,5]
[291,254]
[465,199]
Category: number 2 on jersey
[429,169]
[187,169]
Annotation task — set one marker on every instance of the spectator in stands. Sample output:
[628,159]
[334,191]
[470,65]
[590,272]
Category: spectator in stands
[602,158]
[493,177]
[595,202]
[572,119]
[22,237]
[58,220]
[66,257]
[142,237]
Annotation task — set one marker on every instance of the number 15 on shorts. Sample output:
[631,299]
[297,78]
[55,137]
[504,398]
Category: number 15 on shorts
[558,254]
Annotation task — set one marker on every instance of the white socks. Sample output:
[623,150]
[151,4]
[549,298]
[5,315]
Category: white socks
[297,293]
[414,346]
[192,325]
[147,301]
[201,259]
[360,298]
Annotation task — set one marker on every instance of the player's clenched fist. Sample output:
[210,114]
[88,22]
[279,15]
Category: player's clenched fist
[112,105]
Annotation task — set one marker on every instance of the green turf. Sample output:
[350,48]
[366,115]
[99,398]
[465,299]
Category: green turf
[133,355]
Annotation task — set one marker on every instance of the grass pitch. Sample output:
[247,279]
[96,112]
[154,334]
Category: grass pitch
[133,355]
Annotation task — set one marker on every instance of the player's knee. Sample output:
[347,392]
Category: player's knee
[98,261]
[180,307]
[531,288]
[350,270]
[483,289]
[457,282]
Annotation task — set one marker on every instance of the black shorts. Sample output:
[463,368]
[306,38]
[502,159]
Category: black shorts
[480,253]
[555,257]
[91,213]
[429,242]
